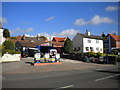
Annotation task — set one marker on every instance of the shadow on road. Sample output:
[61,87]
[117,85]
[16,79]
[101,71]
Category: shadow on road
[107,71]
[29,63]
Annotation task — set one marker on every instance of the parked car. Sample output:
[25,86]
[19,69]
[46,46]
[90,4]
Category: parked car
[95,60]
[102,59]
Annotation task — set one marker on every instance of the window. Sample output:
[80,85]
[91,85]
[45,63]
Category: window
[78,48]
[97,41]
[75,49]
[87,48]
[97,49]
[89,41]
[101,49]
[91,48]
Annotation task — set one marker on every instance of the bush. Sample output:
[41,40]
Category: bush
[90,53]
[99,54]
[118,59]
[10,52]
[9,45]
[2,49]
[13,38]
[115,51]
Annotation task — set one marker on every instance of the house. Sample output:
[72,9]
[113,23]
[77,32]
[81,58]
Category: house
[14,39]
[48,41]
[29,42]
[58,41]
[26,44]
[2,39]
[111,41]
[83,43]
[55,41]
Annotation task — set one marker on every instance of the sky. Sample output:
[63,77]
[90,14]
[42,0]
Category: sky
[60,18]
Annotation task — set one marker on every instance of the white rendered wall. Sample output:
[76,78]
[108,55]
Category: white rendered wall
[2,39]
[10,57]
[92,44]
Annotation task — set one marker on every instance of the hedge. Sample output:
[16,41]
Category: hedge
[10,52]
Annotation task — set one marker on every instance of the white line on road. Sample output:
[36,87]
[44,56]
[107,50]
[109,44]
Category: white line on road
[67,86]
[63,87]
[106,77]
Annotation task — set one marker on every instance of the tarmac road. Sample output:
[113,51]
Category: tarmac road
[102,77]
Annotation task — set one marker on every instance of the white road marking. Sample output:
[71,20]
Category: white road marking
[67,86]
[63,87]
[106,77]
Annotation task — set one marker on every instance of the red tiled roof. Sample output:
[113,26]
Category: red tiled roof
[27,43]
[59,39]
[116,37]
[46,41]
[18,38]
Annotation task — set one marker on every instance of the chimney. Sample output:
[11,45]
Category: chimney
[0,25]
[87,33]
[23,37]
[38,37]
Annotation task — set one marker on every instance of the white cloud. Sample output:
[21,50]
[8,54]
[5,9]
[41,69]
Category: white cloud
[95,20]
[80,22]
[50,18]
[64,33]
[19,30]
[68,32]
[43,34]
[98,20]
[30,29]
[3,20]
[111,8]
[27,35]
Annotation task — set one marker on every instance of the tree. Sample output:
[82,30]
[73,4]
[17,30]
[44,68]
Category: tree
[43,37]
[68,46]
[115,51]
[9,45]
[1,49]
[6,33]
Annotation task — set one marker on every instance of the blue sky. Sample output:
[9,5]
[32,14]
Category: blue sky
[60,18]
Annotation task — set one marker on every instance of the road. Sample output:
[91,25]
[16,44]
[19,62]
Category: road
[105,77]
